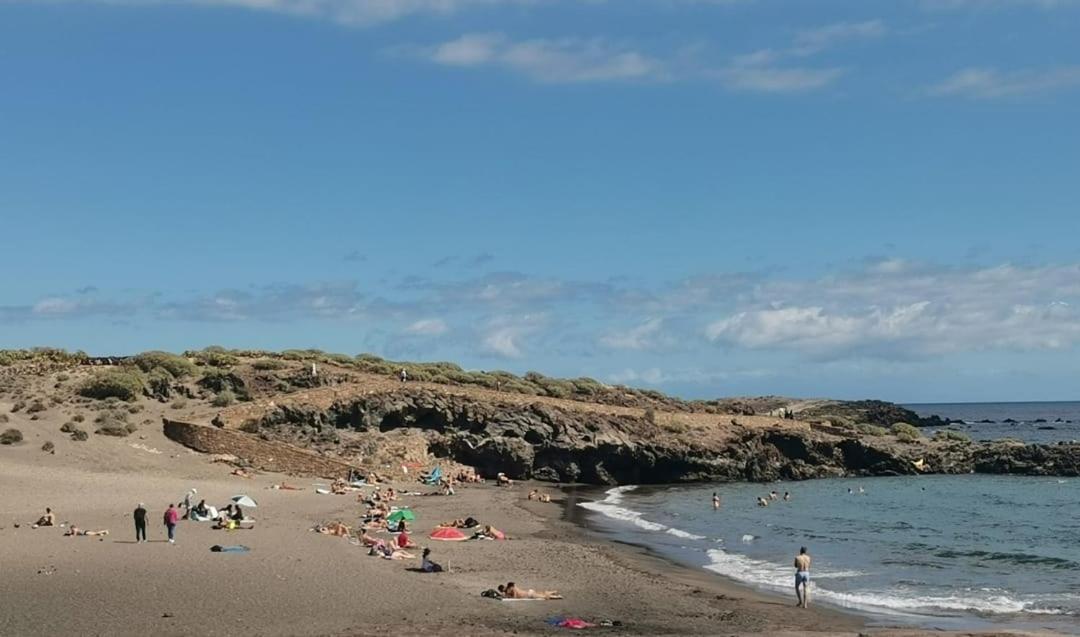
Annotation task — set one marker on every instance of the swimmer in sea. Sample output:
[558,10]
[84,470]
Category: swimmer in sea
[715,501]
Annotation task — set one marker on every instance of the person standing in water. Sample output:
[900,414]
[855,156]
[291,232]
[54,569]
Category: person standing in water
[715,501]
[802,578]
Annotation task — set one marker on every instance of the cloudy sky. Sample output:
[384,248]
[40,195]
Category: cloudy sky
[711,197]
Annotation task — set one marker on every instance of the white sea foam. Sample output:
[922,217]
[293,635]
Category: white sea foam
[609,507]
[778,577]
[684,534]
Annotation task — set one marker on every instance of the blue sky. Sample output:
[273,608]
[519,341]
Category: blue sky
[711,197]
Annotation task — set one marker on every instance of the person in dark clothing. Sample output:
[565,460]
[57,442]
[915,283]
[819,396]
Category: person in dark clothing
[140,523]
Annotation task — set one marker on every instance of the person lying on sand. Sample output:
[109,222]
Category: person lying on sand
[241,473]
[511,591]
[49,519]
[388,552]
[74,531]
[286,487]
[337,529]
[427,565]
[339,487]
[490,533]
[369,541]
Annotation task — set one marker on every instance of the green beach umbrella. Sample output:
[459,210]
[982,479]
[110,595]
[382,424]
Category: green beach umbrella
[401,514]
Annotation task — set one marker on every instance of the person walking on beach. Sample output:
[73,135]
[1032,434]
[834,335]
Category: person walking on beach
[802,578]
[140,523]
[172,516]
[715,501]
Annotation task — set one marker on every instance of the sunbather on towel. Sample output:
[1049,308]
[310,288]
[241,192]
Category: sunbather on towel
[490,533]
[74,531]
[511,591]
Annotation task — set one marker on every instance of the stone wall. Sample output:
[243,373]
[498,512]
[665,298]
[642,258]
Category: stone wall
[264,455]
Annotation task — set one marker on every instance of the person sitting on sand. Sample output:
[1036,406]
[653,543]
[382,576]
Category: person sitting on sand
[427,565]
[511,591]
[74,531]
[201,510]
[49,519]
[367,540]
[403,540]
[503,480]
[339,487]
[545,498]
[401,526]
[448,488]
[533,494]
[237,514]
[390,494]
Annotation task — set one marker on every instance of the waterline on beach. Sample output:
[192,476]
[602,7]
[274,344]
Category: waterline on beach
[912,551]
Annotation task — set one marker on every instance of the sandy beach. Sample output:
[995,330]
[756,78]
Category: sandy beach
[297,582]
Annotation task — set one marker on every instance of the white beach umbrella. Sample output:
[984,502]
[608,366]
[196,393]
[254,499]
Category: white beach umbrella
[245,501]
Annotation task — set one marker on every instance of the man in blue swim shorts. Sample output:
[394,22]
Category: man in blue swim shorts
[802,577]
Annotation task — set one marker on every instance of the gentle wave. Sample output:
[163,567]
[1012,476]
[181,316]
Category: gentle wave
[774,576]
[609,507]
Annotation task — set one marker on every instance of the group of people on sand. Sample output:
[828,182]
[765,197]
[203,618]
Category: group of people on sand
[49,519]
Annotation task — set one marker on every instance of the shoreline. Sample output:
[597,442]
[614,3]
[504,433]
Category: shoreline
[877,622]
[295,582]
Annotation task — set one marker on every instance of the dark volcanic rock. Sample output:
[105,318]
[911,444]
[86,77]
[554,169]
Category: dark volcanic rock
[548,443]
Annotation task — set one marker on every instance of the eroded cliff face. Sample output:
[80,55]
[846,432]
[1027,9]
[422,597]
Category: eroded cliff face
[548,443]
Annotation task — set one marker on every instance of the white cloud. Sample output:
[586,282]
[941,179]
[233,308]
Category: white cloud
[995,4]
[643,336]
[815,40]
[988,83]
[504,335]
[898,310]
[55,306]
[651,376]
[346,12]
[777,80]
[561,60]
[427,327]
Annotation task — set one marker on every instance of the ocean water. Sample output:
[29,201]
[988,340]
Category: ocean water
[1046,422]
[935,551]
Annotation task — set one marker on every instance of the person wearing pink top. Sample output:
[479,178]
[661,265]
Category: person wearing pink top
[172,516]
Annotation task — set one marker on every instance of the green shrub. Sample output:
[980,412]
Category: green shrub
[223,399]
[117,429]
[177,366]
[62,377]
[214,356]
[904,431]
[78,417]
[79,435]
[68,427]
[18,406]
[159,383]
[871,430]
[949,434]
[35,407]
[267,364]
[10,437]
[179,403]
[650,415]
[110,416]
[116,384]
[48,447]
[134,409]
[4,418]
